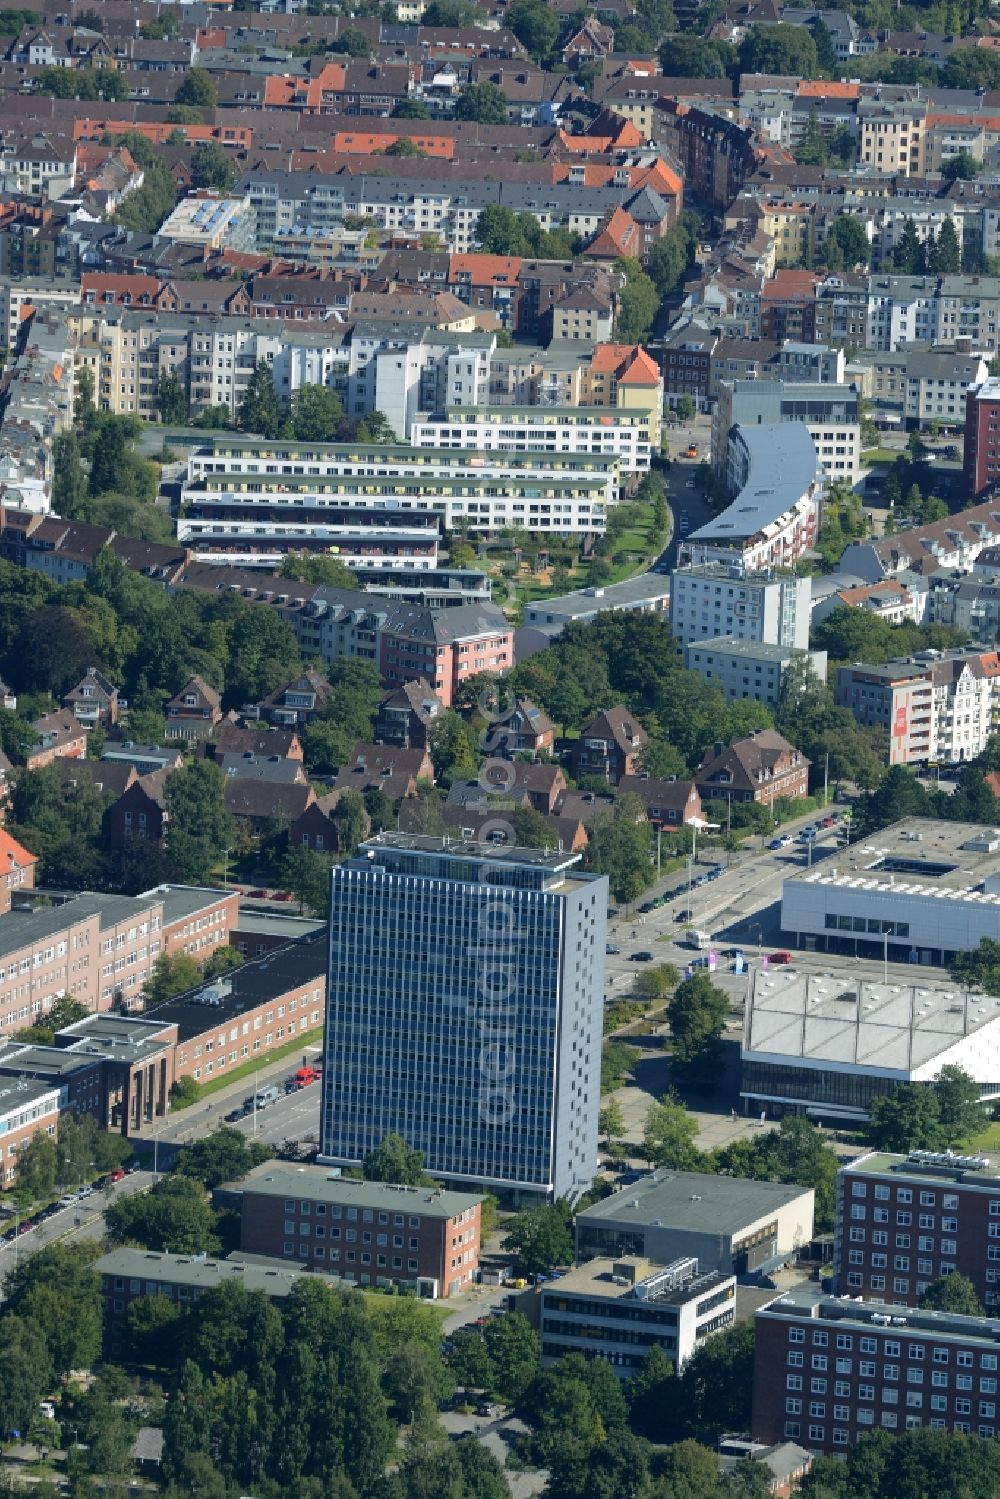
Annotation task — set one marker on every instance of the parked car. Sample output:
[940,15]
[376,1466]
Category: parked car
[235,1114]
[611,950]
[782,956]
[683,914]
[827,822]
[646,907]
[117,1175]
[641,957]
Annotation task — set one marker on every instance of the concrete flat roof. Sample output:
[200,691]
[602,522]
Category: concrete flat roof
[184,900]
[689,1202]
[16,1093]
[221,1000]
[816,1019]
[944,1326]
[584,601]
[969,1169]
[37,923]
[750,650]
[200,1274]
[321,1184]
[918,856]
[276,924]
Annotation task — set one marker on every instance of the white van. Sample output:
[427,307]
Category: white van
[700,940]
[266,1096]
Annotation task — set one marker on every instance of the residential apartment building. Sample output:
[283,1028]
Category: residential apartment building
[628,436]
[497,1088]
[17,869]
[933,706]
[775,477]
[891,136]
[981,465]
[827,1371]
[562,492]
[830,413]
[715,599]
[406,641]
[903,1221]
[619,1309]
[955,542]
[749,669]
[365,1233]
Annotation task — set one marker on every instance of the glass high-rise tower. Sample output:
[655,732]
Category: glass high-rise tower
[464,1011]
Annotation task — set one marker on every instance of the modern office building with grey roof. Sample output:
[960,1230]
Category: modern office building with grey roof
[464,1012]
[749,668]
[647,593]
[729,1224]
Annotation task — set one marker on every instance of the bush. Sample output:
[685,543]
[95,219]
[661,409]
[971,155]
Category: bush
[185,1091]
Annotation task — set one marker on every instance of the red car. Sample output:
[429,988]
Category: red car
[828,822]
[782,956]
[118,1174]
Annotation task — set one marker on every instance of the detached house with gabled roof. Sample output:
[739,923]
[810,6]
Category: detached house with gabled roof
[94,699]
[763,768]
[193,712]
[610,746]
[521,728]
[405,715]
[298,702]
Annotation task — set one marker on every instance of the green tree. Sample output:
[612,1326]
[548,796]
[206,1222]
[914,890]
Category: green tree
[152,1331]
[656,981]
[908,1118]
[959,1109]
[306,874]
[200,827]
[848,232]
[716,1383]
[610,1121]
[541,1238]
[58,1289]
[171,397]
[535,26]
[697,1013]
[174,1217]
[952,1293]
[172,973]
[685,55]
[353,41]
[310,567]
[260,409]
[620,846]
[395,1161]
[689,1471]
[980,968]
[224,1155]
[482,102]
[617,1468]
[212,168]
[197,88]
[669,1135]
[350,819]
[317,415]
[411,109]
[638,302]
[963,166]
[35,1171]
[786,50]
[27,1372]
[499,231]
[454,748]
[908,255]
[947,250]
[107,456]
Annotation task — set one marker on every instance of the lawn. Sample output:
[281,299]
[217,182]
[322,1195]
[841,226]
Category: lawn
[988,1139]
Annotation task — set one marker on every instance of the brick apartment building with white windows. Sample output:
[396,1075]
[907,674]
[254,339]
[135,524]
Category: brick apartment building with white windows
[828,1370]
[367,1233]
[905,1221]
[100,949]
[26,1107]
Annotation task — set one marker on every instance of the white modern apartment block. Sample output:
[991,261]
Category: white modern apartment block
[775,476]
[747,668]
[715,600]
[537,491]
[583,431]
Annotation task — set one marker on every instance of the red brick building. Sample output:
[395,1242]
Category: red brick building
[27,1107]
[826,1371]
[17,869]
[369,1233]
[905,1221]
[982,438]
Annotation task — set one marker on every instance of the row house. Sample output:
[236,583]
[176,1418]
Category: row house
[933,706]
